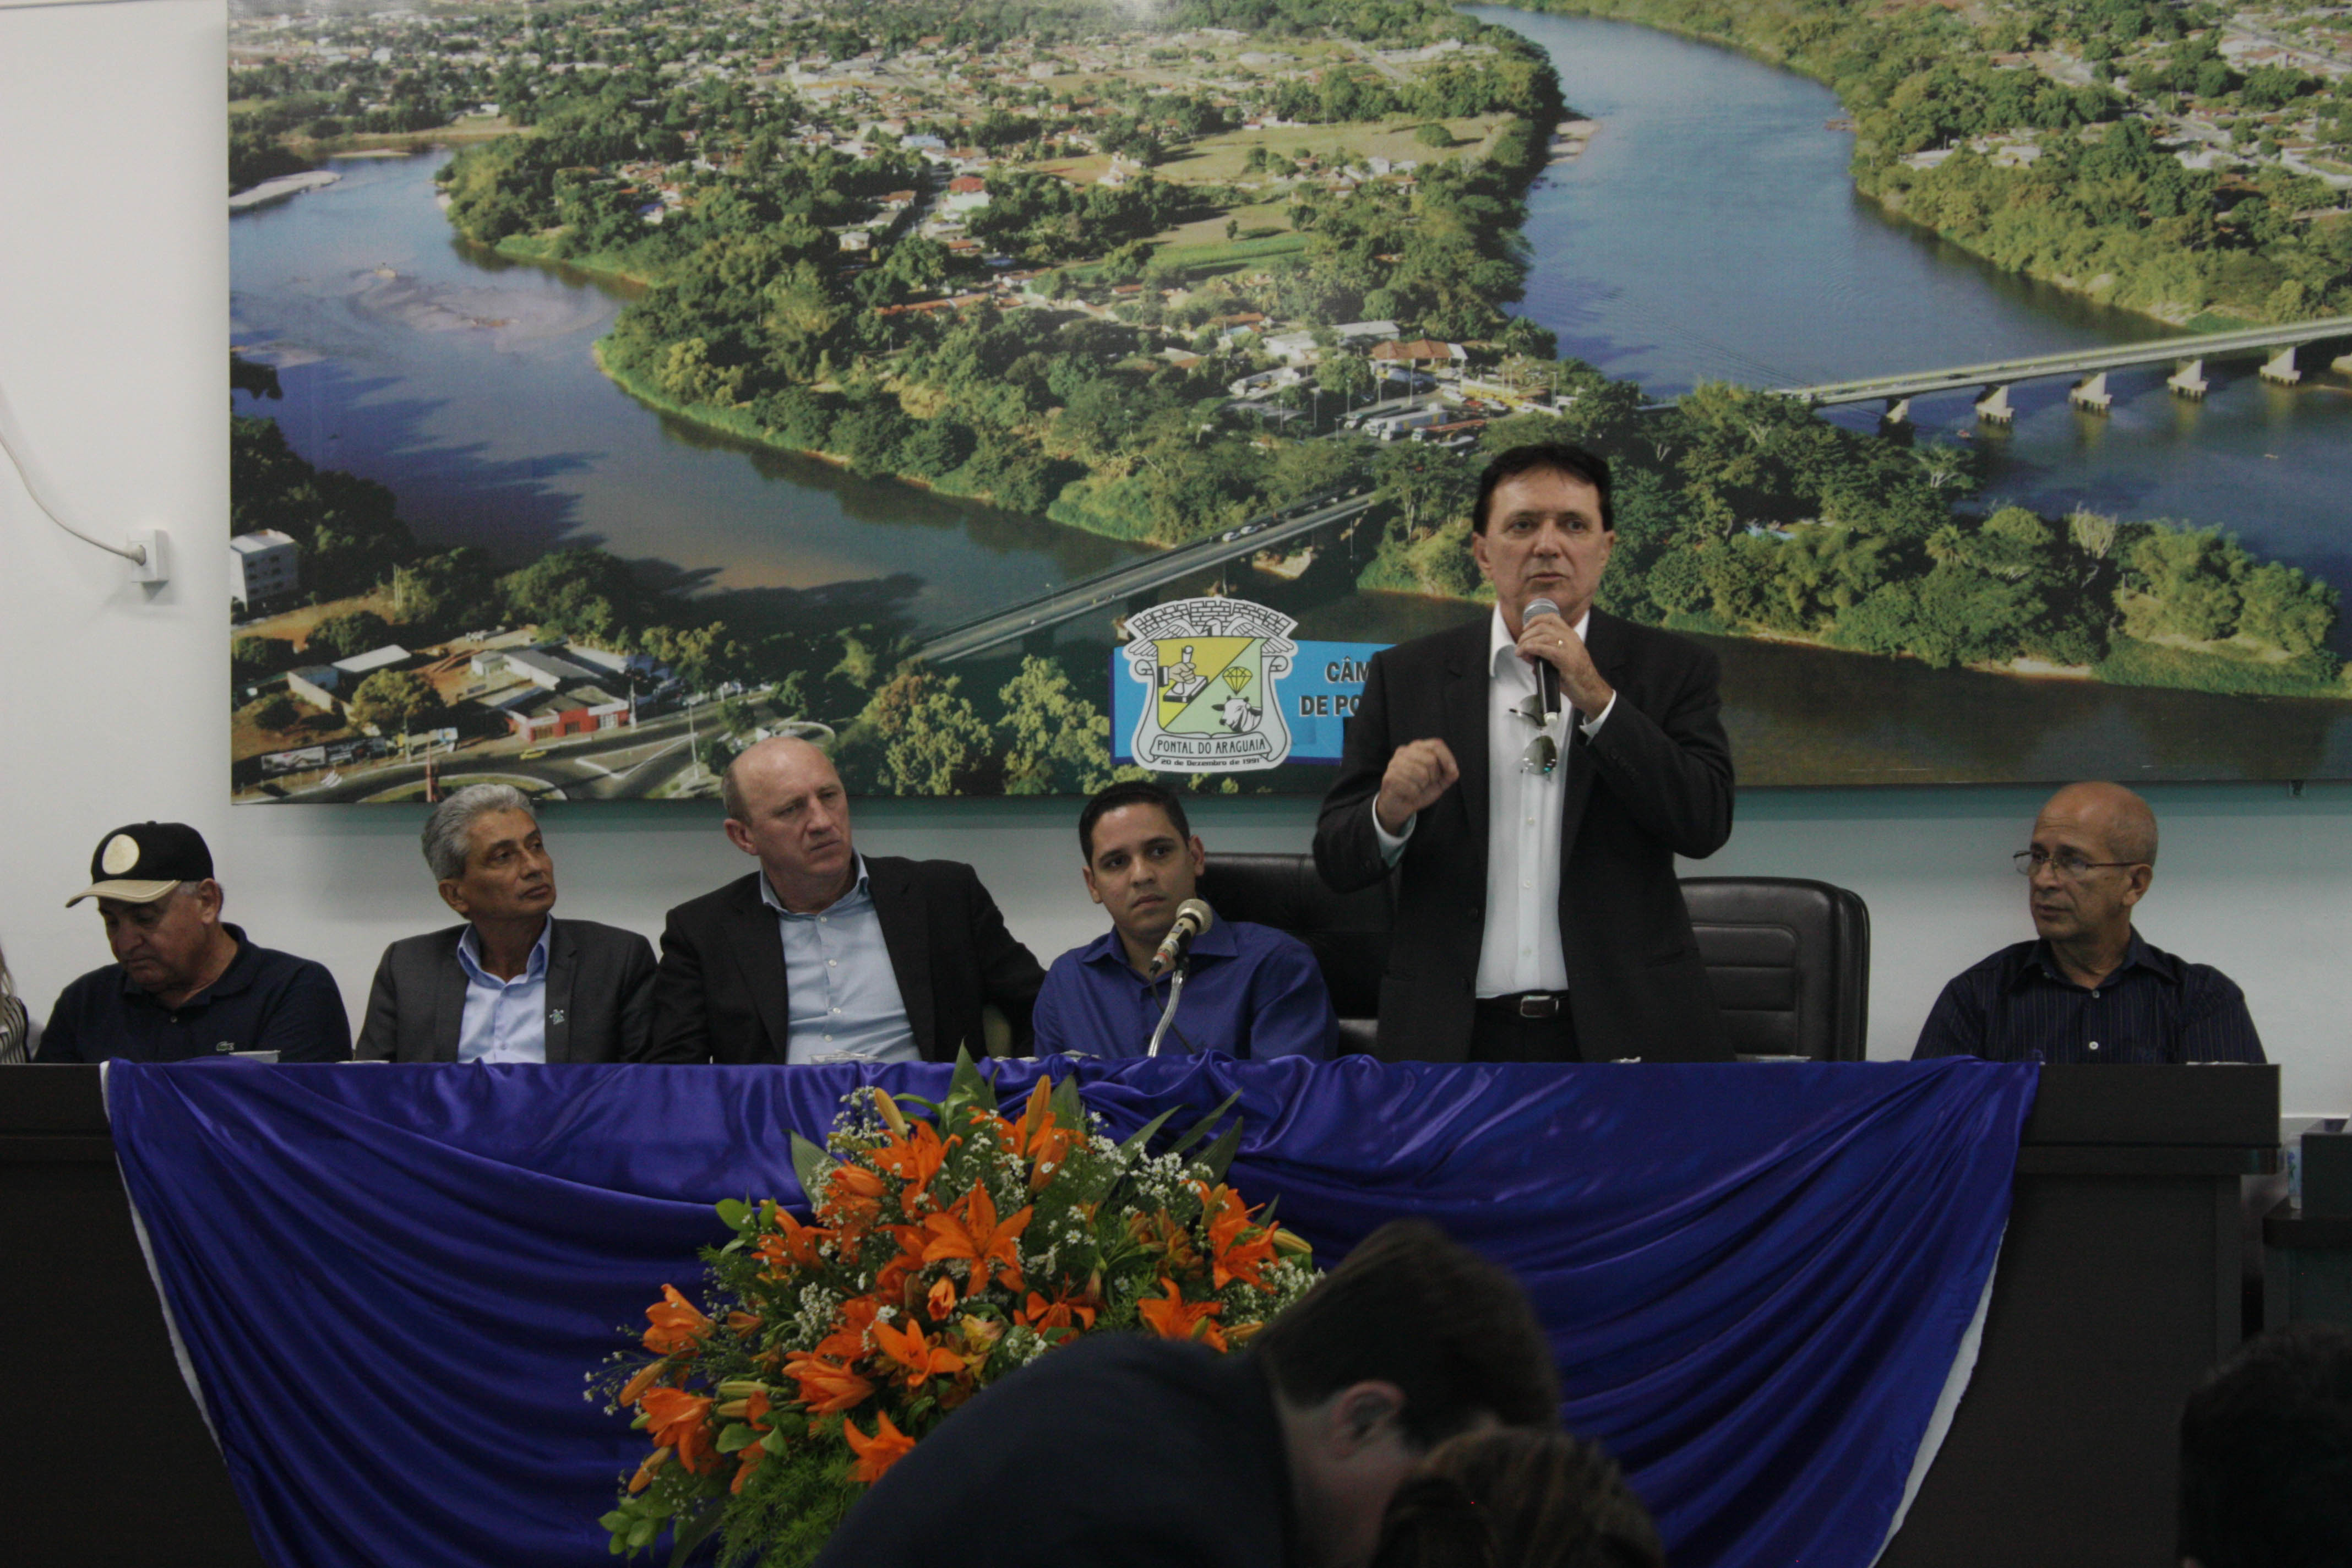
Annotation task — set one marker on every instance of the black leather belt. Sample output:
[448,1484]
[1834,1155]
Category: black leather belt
[1527,1004]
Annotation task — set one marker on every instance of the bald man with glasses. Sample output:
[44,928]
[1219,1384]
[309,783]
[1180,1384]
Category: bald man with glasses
[2089,988]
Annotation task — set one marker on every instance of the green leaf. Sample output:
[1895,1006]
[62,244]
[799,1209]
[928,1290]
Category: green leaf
[692,1532]
[1201,1128]
[968,1086]
[808,1159]
[1069,1108]
[1221,1152]
[737,1437]
[1145,1135]
[733,1214]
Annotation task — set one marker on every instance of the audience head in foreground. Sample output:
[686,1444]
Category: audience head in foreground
[1125,1448]
[513,983]
[1518,1497]
[1251,991]
[184,981]
[825,955]
[2266,1455]
[2090,988]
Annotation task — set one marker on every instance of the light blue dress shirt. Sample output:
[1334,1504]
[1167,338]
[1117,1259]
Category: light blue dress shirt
[505,1020]
[845,996]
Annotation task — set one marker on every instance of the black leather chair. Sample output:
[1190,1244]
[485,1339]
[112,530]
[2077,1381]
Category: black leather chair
[1348,932]
[1789,962]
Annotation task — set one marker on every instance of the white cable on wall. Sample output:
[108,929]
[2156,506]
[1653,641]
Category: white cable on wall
[12,441]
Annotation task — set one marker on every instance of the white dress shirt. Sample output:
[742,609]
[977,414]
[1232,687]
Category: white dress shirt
[1526,809]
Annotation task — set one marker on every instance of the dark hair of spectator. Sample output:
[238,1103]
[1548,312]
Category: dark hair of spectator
[1518,1497]
[1556,457]
[1412,1308]
[2266,1455]
[1135,791]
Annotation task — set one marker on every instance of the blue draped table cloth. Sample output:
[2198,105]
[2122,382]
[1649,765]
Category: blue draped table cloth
[386,1282]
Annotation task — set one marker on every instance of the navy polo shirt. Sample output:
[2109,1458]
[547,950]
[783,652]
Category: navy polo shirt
[265,1001]
[1252,992]
[2018,1006]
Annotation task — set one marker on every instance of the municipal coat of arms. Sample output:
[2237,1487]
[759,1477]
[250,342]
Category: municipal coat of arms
[1208,669]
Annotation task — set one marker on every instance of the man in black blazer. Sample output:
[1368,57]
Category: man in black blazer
[1533,823]
[1123,1450]
[824,955]
[513,983]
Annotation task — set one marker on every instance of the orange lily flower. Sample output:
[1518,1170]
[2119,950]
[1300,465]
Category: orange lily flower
[852,1197]
[891,1283]
[794,1244]
[826,1386]
[1064,1310]
[647,1472]
[741,1322]
[755,1411]
[1231,1257]
[1041,1140]
[639,1384]
[847,1343]
[941,1299]
[919,1356]
[877,1454]
[677,1420]
[1161,1233]
[678,1323]
[976,1236]
[1174,1318]
[913,1161]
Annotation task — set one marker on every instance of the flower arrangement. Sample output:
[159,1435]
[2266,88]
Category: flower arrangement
[947,1246]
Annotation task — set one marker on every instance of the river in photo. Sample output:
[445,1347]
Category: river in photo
[1711,230]
[464,381]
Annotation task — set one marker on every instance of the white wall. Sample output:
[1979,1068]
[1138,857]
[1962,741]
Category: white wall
[113,319]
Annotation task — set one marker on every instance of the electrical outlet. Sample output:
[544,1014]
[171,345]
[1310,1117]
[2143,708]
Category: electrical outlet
[157,567]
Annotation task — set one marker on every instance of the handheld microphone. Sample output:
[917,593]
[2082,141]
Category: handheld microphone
[1193,918]
[1547,676]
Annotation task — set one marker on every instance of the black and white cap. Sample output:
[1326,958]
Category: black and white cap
[142,862]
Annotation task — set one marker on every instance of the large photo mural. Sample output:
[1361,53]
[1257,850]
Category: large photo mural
[1015,395]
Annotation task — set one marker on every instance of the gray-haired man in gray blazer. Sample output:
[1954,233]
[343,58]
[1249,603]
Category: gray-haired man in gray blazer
[513,983]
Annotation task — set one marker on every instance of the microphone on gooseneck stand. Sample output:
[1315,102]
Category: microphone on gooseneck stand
[1193,918]
[1547,676]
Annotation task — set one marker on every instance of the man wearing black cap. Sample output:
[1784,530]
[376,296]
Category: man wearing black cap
[183,984]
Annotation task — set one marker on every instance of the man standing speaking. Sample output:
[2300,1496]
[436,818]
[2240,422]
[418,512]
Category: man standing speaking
[1532,776]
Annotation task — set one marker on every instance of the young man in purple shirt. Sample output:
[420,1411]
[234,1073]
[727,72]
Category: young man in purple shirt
[1250,990]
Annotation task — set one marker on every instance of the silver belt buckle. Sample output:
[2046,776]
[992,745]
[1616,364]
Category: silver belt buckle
[1539,1005]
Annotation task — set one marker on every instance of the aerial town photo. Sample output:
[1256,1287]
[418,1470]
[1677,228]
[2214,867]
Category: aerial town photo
[617,384]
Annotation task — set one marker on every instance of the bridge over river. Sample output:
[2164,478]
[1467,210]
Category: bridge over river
[1136,579]
[2187,353]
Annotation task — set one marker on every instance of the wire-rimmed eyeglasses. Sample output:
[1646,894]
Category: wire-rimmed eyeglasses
[2067,863]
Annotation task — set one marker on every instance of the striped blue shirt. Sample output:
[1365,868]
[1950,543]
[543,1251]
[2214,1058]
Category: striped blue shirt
[2017,1007]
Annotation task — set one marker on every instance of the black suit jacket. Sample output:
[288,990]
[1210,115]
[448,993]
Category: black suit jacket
[1655,782]
[599,996]
[1118,1451]
[721,995]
